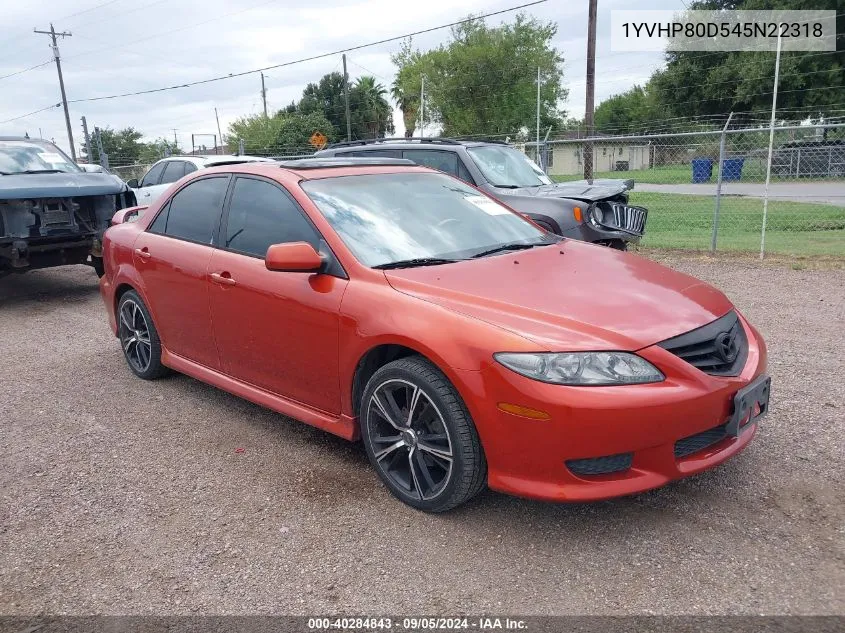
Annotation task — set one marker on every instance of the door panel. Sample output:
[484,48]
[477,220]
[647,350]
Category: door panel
[175,276]
[276,330]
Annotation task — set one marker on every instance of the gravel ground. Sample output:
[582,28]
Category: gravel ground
[122,496]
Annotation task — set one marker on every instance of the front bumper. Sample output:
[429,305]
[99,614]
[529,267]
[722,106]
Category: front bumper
[527,457]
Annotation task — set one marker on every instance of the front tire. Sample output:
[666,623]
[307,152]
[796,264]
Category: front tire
[419,436]
[139,337]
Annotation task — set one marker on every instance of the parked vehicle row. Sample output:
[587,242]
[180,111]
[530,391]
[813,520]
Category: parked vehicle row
[462,343]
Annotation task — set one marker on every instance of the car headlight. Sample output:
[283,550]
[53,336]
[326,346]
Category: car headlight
[582,368]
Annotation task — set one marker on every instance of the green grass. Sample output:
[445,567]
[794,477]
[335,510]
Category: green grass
[682,174]
[685,222]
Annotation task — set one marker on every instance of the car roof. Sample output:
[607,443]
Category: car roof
[406,143]
[319,169]
[209,160]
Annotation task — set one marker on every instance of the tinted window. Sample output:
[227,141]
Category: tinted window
[190,167]
[195,210]
[261,214]
[444,161]
[463,173]
[152,176]
[173,171]
[375,153]
[160,223]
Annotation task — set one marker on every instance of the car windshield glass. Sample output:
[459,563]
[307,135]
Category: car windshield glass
[505,166]
[386,218]
[20,157]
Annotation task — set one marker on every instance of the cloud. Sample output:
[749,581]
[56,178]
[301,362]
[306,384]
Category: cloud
[133,45]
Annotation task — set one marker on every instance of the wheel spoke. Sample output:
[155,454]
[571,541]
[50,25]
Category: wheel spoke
[128,343]
[414,474]
[383,412]
[395,411]
[387,451]
[415,396]
[436,451]
[386,439]
[124,318]
[423,468]
[434,437]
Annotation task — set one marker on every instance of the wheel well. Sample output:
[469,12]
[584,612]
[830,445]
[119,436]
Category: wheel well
[122,289]
[370,363]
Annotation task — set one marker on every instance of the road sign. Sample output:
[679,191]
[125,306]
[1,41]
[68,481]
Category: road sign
[318,140]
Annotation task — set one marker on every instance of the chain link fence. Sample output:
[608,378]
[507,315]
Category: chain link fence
[707,190]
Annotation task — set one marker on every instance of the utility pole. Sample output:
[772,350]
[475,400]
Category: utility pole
[52,33]
[346,98]
[104,158]
[87,140]
[539,160]
[218,129]
[263,95]
[590,104]
[422,106]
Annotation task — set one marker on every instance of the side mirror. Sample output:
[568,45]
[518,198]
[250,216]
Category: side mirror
[129,214]
[133,183]
[293,257]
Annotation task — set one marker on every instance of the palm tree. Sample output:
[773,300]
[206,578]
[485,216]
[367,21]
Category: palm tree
[374,108]
[409,104]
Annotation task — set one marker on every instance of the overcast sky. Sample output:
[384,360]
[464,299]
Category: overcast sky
[122,46]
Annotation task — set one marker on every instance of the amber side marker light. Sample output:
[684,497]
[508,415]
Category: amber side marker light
[577,213]
[525,412]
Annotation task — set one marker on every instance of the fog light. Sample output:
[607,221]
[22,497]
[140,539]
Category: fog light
[525,412]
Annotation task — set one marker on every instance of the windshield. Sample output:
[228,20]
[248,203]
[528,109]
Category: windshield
[505,166]
[385,218]
[19,157]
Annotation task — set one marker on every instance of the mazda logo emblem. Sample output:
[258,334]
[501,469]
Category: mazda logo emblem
[726,347]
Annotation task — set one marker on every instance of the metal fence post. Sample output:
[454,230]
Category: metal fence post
[719,185]
[104,158]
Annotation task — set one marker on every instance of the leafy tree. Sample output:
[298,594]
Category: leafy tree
[123,147]
[326,97]
[484,81]
[370,113]
[630,112]
[706,83]
[159,148]
[281,134]
[407,85]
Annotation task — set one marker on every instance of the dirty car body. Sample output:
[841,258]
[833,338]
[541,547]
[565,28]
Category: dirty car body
[52,212]
[595,211]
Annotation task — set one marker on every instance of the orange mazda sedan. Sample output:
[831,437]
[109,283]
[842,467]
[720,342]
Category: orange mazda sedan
[464,345]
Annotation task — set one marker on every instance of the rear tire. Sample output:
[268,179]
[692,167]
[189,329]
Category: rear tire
[139,338]
[420,437]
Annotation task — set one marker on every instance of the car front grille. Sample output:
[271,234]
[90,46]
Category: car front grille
[698,442]
[601,465]
[623,217]
[719,348]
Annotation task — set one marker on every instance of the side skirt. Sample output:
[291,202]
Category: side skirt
[343,426]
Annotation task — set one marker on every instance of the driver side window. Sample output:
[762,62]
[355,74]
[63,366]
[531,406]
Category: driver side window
[152,177]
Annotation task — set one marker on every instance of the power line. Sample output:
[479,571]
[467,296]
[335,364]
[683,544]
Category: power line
[26,70]
[312,58]
[23,116]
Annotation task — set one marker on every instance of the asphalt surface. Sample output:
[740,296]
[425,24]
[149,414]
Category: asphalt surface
[119,496]
[816,192]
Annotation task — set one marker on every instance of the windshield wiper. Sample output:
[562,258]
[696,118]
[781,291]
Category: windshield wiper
[40,171]
[516,246]
[509,186]
[417,261]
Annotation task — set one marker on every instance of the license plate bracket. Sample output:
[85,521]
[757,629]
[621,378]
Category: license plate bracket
[747,401]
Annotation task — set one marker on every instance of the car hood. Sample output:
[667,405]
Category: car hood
[585,298]
[20,186]
[579,190]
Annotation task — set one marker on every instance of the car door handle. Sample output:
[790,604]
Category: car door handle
[146,194]
[143,253]
[223,278]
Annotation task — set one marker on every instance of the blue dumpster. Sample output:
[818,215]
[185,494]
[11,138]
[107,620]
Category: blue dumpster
[732,168]
[702,169]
